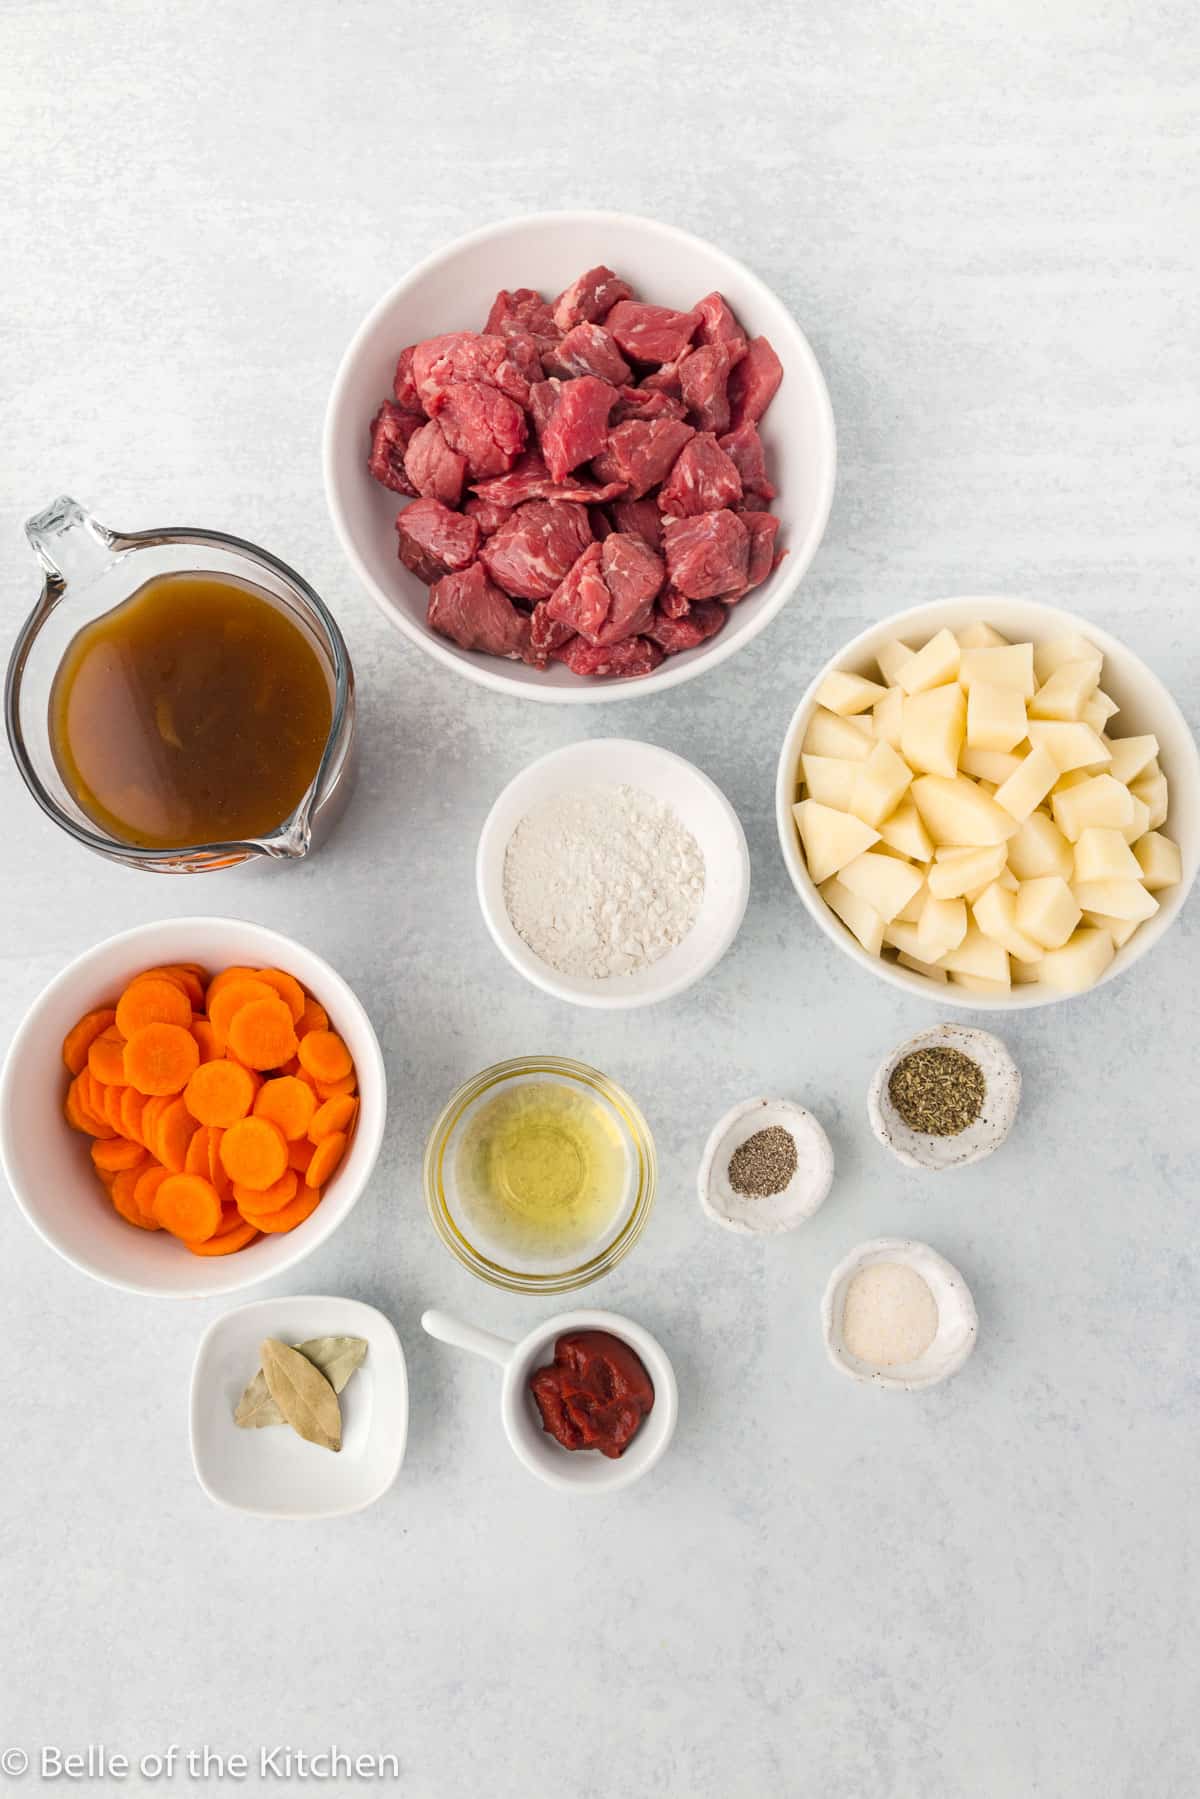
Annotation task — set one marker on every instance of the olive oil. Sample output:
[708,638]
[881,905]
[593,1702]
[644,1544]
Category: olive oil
[542,1172]
[197,711]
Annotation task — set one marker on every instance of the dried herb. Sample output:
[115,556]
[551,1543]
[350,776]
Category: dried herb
[764,1164]
[336,1357]
[937,1091]
[306,1399]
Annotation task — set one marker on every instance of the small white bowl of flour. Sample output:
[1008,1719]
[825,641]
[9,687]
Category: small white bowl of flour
[613,873]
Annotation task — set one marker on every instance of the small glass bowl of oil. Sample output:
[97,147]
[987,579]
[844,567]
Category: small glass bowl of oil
[540,1174]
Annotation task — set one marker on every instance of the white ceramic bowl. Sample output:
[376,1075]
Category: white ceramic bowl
[273,1472]
[1145,704]
[573,1471]
[452,291]
[49,1169]
[957,1327]
[701,807]
[770,1214]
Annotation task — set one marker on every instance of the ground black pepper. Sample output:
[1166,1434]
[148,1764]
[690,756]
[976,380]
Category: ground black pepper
[764,1164]
[937,1091]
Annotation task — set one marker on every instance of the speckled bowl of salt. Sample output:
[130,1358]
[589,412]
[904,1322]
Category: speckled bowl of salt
[612,873]
[898,1315]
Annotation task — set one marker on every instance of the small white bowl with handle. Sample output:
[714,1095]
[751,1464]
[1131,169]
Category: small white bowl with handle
[576,1471]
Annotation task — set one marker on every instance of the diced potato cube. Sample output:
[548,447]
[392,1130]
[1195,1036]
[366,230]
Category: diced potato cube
[1047,910]
[1159,860]
[1095,800]
[1131,756]
[1099,709]
[1007,666]
[905,833]
[892,657]
[858,917]
[829,779]
[888,716]
[980,636]
[911,913]
[845,693]
[902,937]
[979,955]
[932,728]
[975,983]
[995,912]
[995,717]
[1152,790]
[829,735]
[992,766]
[1072,746]
[1024,791]
[884,882]
[830,838]
[1139,824]
[1067,691]
[1102,854]
[1120,899]
[1039,848]
[1074,777]
[941,926]
[965,871]
[957,813]
[1025,974]
[932,666]
[1056,650]
[929,969]
[1080,962]
[1119,929]
[880,784]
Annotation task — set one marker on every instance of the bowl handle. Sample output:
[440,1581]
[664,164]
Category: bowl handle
[468,1336]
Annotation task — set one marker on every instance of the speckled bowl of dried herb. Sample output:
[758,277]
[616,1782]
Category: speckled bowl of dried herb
[945,1099]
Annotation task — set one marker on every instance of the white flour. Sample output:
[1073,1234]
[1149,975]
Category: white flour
[602,881]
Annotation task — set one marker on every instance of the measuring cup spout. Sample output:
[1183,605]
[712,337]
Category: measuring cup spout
[468,1336]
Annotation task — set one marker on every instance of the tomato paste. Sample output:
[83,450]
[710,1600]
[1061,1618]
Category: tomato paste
[594,1394]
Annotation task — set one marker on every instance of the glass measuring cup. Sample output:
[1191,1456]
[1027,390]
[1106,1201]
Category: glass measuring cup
[88,570]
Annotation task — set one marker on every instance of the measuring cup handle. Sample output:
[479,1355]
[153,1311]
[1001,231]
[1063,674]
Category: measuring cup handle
[467,1336]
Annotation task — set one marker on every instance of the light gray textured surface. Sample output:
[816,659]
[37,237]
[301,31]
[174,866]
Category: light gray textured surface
[986,218]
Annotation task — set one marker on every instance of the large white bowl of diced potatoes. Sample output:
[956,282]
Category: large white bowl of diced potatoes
[990,802]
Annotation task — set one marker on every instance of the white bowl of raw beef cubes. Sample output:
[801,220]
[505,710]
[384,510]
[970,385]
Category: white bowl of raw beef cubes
[1020,802]
[454,291]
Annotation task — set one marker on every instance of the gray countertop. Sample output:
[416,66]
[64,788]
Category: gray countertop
[986,219]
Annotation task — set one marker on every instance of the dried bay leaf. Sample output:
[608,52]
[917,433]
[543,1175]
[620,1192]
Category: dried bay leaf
[306,1399]
[336,1357]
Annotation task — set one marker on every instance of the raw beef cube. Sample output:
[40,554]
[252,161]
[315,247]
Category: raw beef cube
[673,604]
[530,479]
[703,479]
[546,634]
[752,383]
[392,430]
[636,656]
[588,299]
[708,554]
[633,574]
[703,382]
[645,403]
[672,635]
[433,467]
[641,453]
[578,427]
[487,514]
[508,363]
[403,385]
[522,312]
[435,541]
[587,350]
[664,381]
[762,527]
[581,601]
[482,424]
[639,518]
[651,333]
[718,323]
[746,448]
[543,398]
[471,611]
[530,555]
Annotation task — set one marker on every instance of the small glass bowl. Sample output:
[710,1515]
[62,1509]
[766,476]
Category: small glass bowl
[446,1135]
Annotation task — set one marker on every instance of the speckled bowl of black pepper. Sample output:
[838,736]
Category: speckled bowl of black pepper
[945,1099]
[766,1168]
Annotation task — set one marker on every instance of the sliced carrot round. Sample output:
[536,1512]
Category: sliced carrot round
[313,1018]
[112,1108]
[160,1058]
[261,1033]
[288,988]
[325,1056]
[336,1114]
[152,999]
[133,1106]
[188,1206]
[216,1168]
[300,1154]
[173,1133]
[254,1153]
[226,1245]
[197,1159]
[75,1109]
[224,1005]
[81,1036]
[288,1217]
[206,1038]
[287,1102]
[220,1092]
[149,1180]
[326,1156]
[106,1057]
[115,1153]
[123,1194]
[267,1199]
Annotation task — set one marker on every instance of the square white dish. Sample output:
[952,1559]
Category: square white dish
[273,1473]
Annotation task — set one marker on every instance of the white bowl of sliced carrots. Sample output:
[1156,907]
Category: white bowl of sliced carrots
[191,1107]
